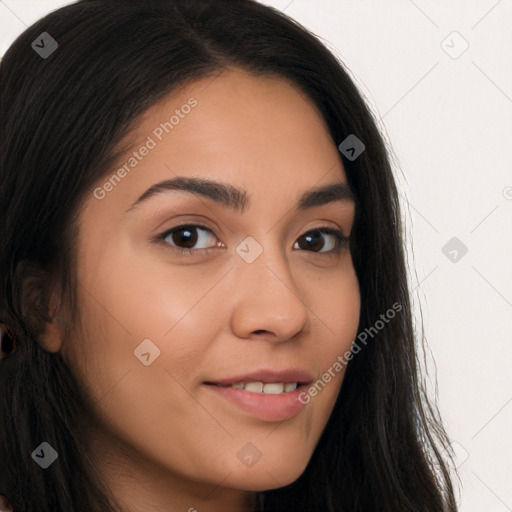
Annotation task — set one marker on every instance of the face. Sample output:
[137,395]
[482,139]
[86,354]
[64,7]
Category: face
[257,289]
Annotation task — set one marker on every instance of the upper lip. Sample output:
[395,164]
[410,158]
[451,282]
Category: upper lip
[298,375]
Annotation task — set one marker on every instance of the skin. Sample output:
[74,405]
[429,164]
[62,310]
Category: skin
[161,441]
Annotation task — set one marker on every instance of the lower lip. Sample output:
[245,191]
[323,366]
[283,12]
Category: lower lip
[262,406]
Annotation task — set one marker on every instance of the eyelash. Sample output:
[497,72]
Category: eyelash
[341,240]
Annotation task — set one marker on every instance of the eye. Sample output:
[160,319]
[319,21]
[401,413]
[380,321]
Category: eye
[184,238]
[314,241]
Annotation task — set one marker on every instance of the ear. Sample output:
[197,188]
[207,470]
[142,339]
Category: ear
[51,337]
[40,305]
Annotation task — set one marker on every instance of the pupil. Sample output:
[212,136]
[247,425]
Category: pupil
[189,240]
[312,237]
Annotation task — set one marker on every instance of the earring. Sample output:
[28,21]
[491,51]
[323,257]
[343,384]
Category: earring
[7,341]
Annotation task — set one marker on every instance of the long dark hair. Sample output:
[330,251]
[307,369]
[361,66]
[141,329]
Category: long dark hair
[63,116]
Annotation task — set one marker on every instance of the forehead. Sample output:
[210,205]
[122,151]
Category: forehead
[257,132]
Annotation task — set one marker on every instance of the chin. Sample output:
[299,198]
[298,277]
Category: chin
[266,477]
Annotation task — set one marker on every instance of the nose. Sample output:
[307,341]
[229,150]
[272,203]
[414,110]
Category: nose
[266,301]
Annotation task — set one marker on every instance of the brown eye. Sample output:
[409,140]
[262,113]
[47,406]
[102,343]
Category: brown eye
[314,240]
[186,237]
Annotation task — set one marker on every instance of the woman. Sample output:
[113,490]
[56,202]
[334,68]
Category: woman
[203,273]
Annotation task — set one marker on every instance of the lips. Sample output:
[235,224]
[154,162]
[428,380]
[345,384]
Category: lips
[286,376]
[269,394]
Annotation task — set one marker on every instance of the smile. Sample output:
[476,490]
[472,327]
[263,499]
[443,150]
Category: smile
[268,388]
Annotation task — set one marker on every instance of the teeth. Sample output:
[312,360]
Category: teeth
[255,387]
[273,388]
[269,388]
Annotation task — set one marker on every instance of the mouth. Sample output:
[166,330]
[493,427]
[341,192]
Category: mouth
[273,378]
[268,395]
[267,388]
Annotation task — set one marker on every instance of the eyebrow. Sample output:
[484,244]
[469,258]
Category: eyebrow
[237,199]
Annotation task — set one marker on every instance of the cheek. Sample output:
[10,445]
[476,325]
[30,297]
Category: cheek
[141,295]
[335,308]
[336,304]
[129,309]
[145,338]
